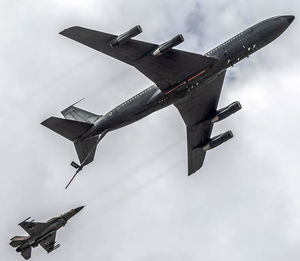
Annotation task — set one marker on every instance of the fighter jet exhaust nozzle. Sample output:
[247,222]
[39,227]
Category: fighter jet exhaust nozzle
[167,46]
[226,112]
[217,140]
[56,247]
[126,36]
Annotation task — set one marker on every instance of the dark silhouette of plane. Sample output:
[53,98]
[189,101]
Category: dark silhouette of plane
[192,82]
[41,233]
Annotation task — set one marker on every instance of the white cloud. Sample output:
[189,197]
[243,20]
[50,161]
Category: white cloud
[242,205]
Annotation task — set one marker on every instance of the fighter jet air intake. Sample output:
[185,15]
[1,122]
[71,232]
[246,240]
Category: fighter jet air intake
[41,233]
[190,81]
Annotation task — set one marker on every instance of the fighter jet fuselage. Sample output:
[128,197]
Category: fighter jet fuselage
[228,53]
[40,233]
[35,240]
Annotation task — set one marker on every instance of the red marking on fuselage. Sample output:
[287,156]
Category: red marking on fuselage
[196,75]
[185,82]
[175,87]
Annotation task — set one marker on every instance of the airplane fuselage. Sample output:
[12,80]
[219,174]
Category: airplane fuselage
[227,54]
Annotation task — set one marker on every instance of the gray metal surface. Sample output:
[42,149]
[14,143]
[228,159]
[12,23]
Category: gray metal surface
[41,233]
[191,82]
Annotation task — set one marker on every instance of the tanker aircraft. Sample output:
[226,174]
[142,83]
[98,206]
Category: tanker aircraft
[190,81]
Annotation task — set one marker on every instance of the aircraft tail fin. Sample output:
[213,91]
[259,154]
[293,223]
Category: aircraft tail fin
[86,149]
[69,129]
[17,240]
[26,253]
[86,152]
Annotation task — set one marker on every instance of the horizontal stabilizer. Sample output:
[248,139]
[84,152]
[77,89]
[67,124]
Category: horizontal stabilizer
[26,253]
[77,114]
[67,128]
[17,240]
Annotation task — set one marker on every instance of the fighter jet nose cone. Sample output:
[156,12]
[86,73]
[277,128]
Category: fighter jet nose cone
[290,18]
[79,208]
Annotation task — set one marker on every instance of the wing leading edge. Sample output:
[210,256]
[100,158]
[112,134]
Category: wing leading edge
[197,111]
[166,70]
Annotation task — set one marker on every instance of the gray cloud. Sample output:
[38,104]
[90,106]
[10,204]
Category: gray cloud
[242,205]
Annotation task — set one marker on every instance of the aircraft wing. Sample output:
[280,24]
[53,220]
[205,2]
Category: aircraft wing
[48,243]
[196,111]
[171,68]
[32,227]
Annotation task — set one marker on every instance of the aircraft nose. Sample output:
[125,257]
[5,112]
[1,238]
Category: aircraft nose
[79,208]
[289,18]
[72,212]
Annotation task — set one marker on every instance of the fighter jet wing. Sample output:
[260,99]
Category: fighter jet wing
[196,112]
[166,70]
[48,243]
[32,227]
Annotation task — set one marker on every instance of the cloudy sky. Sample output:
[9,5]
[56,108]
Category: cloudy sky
[244,204]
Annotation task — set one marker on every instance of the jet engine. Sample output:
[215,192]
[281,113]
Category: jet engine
[55,247]
[167,46]
[217,140]
[226,112]
[126,36]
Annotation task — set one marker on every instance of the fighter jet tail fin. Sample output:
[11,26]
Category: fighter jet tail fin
[17,240]
[26,253]
[69,129]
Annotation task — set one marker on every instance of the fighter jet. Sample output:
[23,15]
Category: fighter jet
[191,82]
[40,233]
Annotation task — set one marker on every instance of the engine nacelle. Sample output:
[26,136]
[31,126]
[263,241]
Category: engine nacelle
[165,47]
[126,36]
[217,140]
[226,112]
